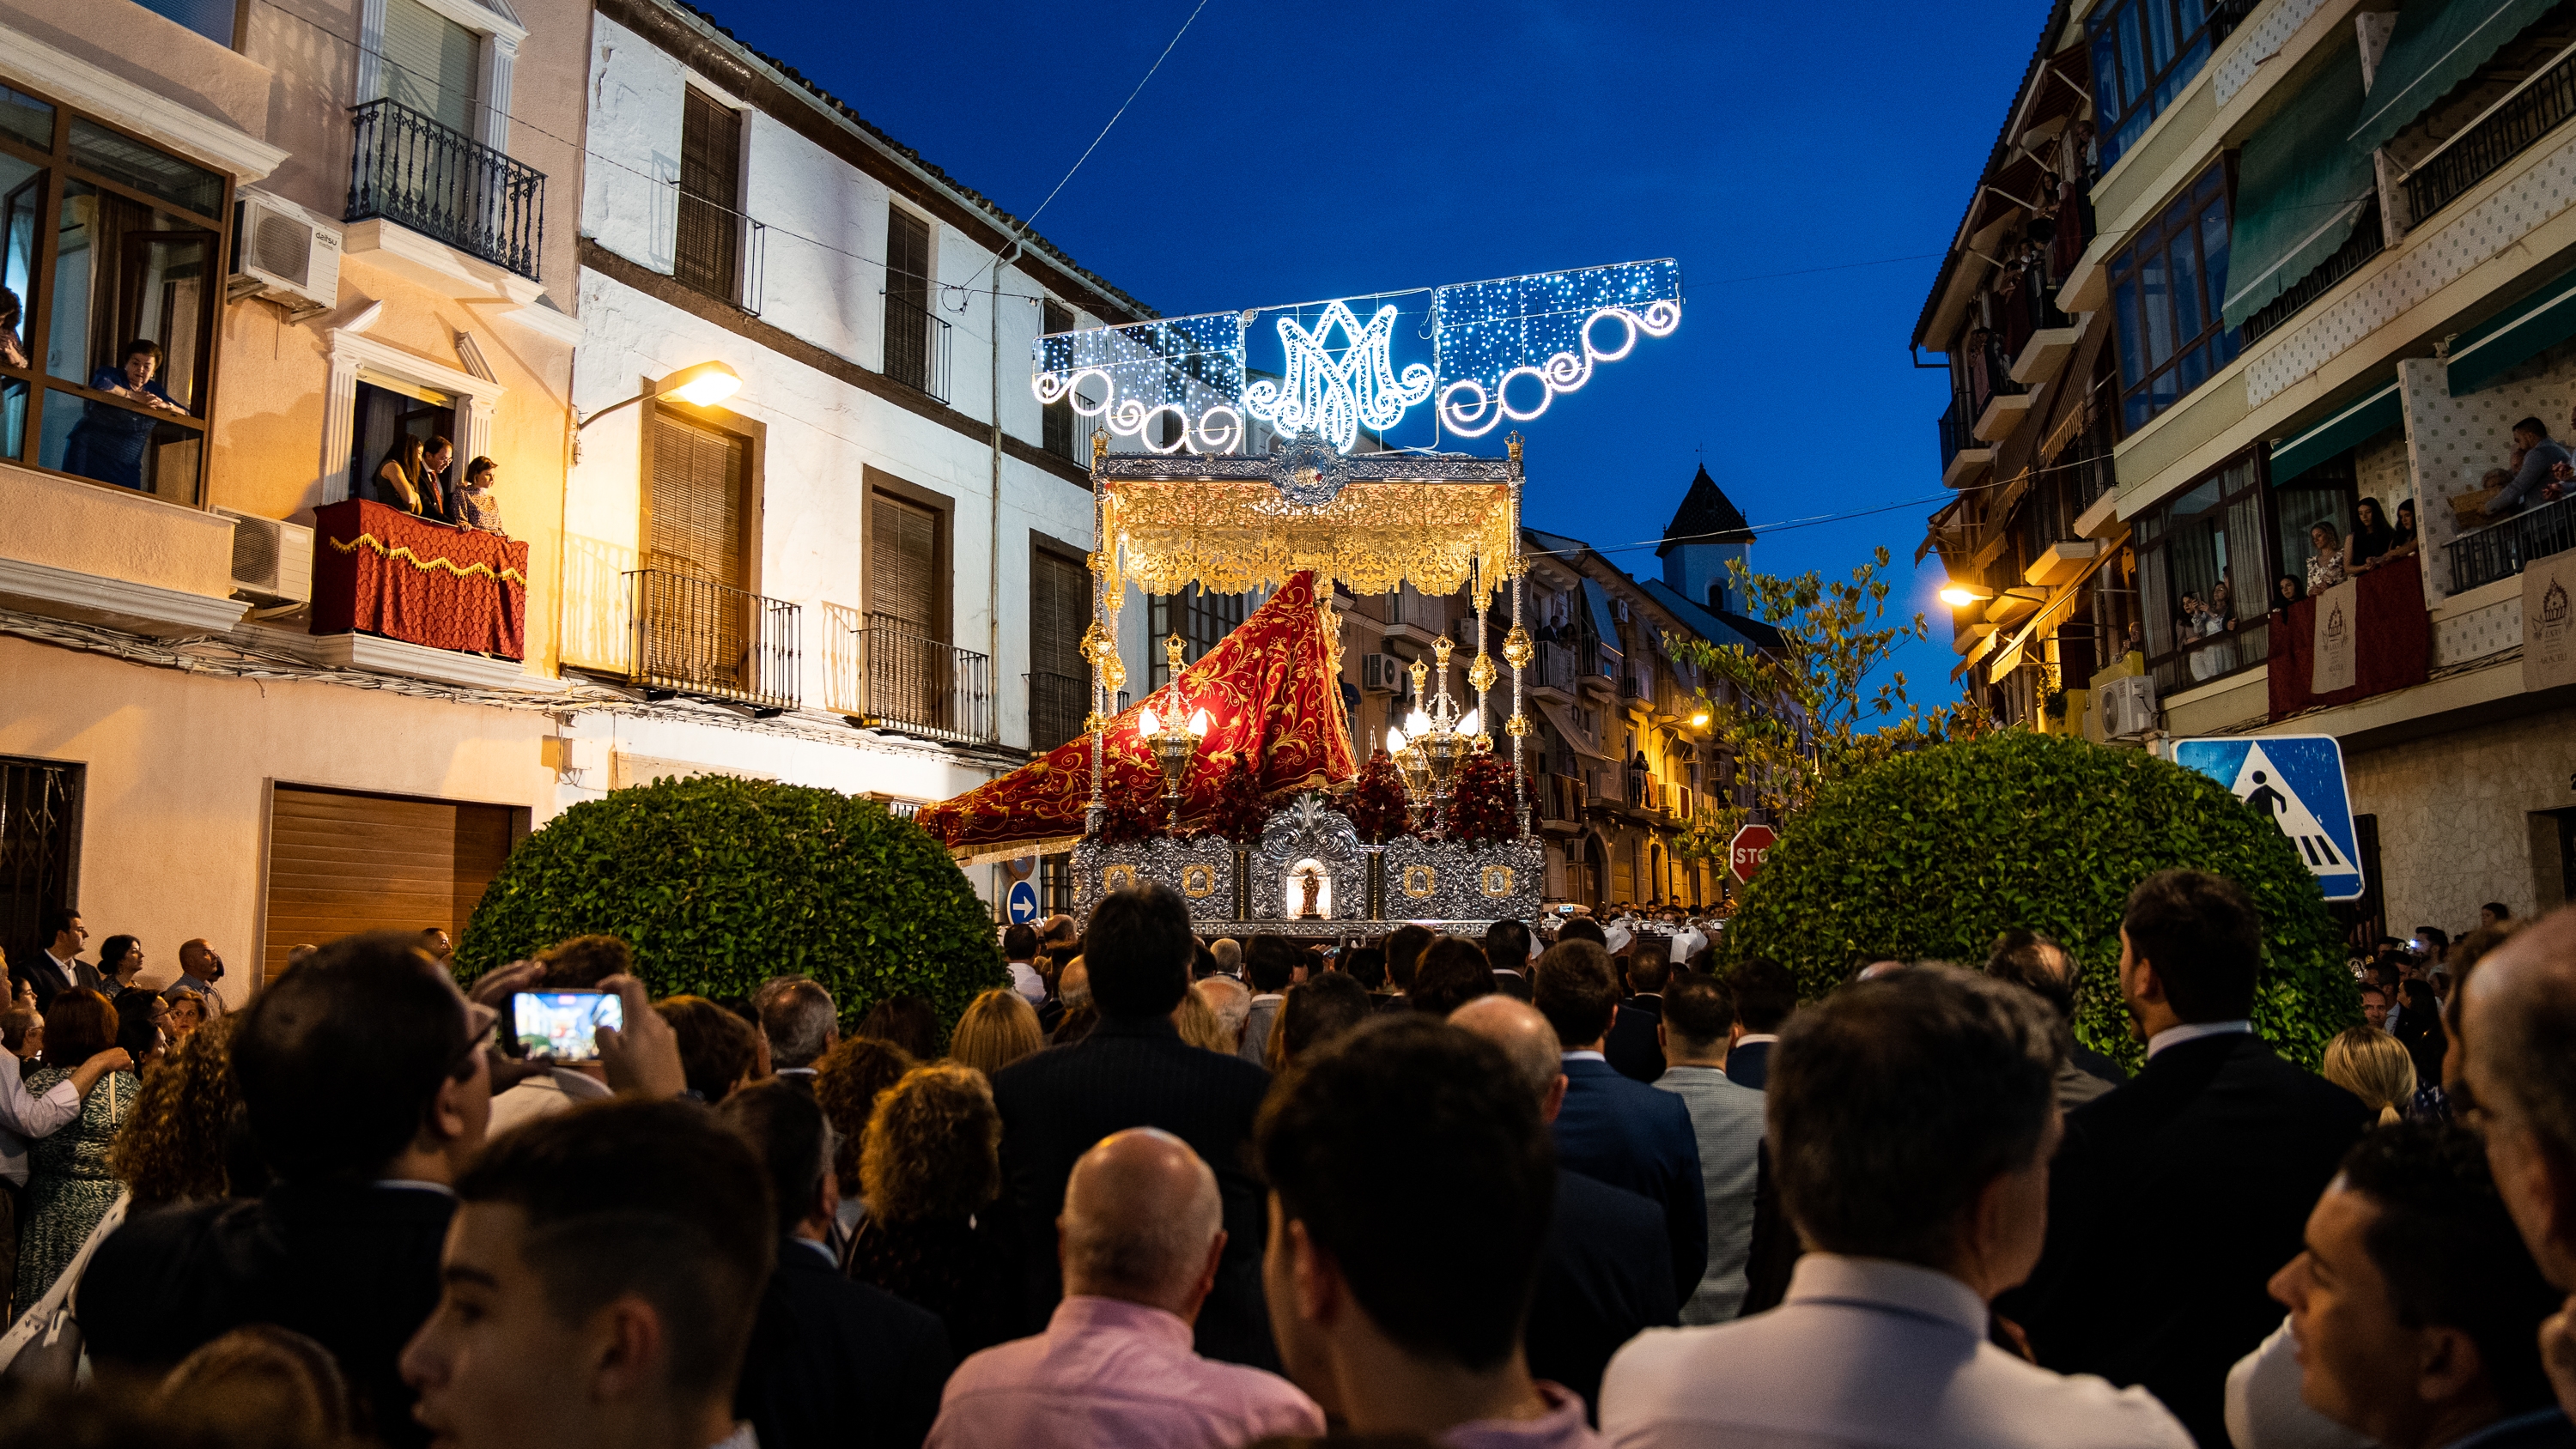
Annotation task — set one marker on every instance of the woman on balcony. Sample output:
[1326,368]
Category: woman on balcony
[2401,541]
[397,480]
[2325,566]
[2371,539]
[475,505]
[107,444]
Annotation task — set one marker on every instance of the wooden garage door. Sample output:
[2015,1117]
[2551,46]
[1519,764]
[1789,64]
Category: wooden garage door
[341,863]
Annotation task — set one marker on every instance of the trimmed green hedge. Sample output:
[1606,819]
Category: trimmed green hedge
[720,884]
[1932,854]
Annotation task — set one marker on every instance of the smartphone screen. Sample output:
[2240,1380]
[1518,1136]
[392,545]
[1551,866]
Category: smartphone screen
[563,1026]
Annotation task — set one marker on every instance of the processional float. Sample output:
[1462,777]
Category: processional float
[1189,503]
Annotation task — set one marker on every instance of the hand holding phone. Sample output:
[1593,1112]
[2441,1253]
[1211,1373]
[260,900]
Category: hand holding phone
[563,1026]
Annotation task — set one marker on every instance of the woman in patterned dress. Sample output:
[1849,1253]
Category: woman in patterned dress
[69,1187]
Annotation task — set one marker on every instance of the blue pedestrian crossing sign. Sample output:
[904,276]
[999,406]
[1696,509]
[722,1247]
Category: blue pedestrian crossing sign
[1023,902]
[2297,782]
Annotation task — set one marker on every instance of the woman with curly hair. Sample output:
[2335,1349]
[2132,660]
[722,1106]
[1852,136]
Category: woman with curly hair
[69,1186]
[999,1028]
[180,1141]
[937,1233]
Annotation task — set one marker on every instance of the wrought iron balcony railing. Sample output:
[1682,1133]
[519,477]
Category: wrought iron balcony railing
[1058,704]
[694,636]
[2543,103]
[889,675]
[2501,549]
[916,346]
[420,173]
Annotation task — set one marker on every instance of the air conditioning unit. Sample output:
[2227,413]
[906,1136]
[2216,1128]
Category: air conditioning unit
[272,559]
[2129,707]
[284,253]
[1386,674]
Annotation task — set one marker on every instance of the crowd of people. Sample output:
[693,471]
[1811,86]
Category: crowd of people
[1481,1192]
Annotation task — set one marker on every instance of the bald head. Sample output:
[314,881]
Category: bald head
[2517,1014]
[1142,1223]
[1526,1038]
[1073,985]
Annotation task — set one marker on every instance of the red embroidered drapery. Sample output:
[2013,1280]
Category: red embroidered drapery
[379,570]
[1272,690]
[2392,647]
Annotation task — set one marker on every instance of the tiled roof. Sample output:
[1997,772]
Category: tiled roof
[1707,515]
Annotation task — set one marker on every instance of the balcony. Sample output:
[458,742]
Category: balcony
[1409,616]
[2367,239]
[2391,648]
[1963,459]
[434,180]
[886,674]
[1551,673]
[916,346]
[2499,550]
[2037,336]
[2505,132]
[698,637]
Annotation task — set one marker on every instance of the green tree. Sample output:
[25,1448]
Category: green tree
[1797,719]
[1932,854]
[720,884]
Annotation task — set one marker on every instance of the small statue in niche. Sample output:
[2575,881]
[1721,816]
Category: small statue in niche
[1310,888]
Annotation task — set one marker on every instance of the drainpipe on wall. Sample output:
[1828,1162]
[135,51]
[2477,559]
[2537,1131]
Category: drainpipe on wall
[993,566]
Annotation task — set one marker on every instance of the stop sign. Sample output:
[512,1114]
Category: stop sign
[1745,853]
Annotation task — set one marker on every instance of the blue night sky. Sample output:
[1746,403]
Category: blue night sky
[1291,152]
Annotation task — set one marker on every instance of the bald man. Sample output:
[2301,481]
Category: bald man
[1605,1274]
[199,969]
[1140,1238]
[2516,1015]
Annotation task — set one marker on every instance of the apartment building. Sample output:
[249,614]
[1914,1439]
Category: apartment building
[2229,273]
[240,708]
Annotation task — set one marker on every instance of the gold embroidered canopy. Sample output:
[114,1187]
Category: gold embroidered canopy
[1440,522]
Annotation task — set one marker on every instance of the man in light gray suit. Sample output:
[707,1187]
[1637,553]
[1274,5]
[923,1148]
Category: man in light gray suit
[1271,962]
[1727,1119]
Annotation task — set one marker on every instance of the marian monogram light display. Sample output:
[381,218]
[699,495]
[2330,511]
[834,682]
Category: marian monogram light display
[1336,394]
[1478,352]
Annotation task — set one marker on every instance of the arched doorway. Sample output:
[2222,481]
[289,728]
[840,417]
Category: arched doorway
[1596,868]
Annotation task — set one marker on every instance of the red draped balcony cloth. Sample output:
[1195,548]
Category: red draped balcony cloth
[2392,648]
[378,570]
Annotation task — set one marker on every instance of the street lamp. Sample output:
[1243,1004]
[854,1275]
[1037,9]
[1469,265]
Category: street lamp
[702,384]
[1960,596]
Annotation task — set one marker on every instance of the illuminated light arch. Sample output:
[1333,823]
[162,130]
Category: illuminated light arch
[1208,439]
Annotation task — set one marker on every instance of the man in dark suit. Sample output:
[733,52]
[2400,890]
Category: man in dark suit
[1765,994]
[1507,951]
[57,967]
[832,1361]
[363,1079]
[1632,1047]
[1134,1070]
[1625,1133]
[1604,1276]
[2178,1195]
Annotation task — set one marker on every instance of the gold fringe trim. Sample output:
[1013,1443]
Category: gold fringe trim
[986,854]
[403,554]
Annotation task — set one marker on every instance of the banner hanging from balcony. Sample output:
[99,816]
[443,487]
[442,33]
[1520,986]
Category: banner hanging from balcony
[1469,356]
[1271,690]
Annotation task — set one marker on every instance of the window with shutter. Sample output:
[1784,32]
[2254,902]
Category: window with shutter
[1059,679]
[907,316]
[430,64]
[705,253]
[907,652]
[1059,431]
[695,612]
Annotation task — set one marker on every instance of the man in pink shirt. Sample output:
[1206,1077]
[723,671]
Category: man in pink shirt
[1140,1238]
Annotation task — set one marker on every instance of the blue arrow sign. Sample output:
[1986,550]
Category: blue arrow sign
[2297,782]
[1023,903]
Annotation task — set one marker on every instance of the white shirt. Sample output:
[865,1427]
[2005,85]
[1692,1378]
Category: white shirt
[2174,1036]
[23,1116]
[559,1090]
[1026,981]
[1756,1038]
[1583,1057]
[2264,1410]
[1864,1353]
